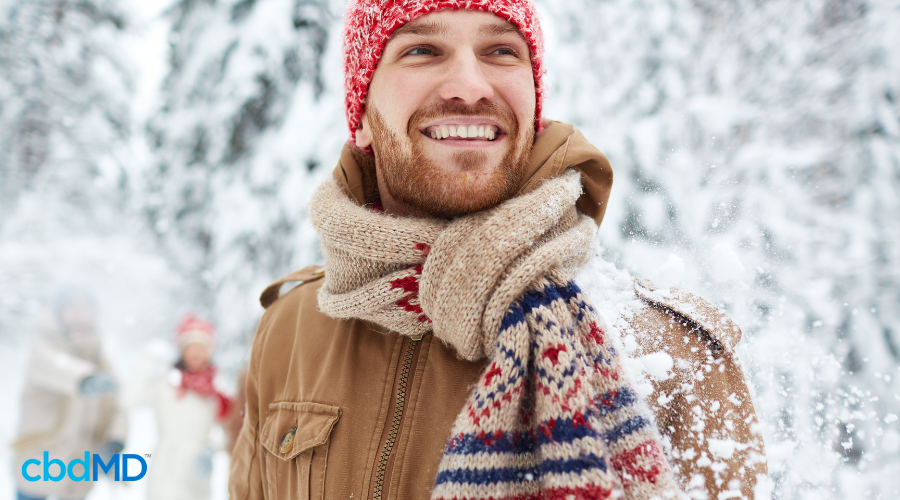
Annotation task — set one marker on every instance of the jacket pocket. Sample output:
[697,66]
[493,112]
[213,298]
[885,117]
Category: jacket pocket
[295,436]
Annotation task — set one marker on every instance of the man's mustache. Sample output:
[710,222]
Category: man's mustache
[487,109]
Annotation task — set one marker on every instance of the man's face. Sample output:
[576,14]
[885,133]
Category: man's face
[450,114]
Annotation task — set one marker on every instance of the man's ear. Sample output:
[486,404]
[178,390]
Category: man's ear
[364,134]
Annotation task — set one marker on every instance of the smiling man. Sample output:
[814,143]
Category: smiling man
[451,91]
[445,350]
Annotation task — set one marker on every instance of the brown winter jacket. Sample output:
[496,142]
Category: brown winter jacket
[326,398]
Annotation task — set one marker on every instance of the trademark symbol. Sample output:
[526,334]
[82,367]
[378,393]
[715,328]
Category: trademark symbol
[146,455]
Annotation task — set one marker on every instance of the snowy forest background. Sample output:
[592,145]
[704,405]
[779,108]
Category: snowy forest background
[164,153]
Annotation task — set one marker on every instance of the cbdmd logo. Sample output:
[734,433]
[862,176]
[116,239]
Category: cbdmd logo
[87,465]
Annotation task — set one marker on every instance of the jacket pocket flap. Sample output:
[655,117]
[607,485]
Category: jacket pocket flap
[294,427]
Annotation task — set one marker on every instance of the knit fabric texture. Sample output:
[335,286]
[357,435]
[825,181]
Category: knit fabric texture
[553,415]
[193,329]
[369,25]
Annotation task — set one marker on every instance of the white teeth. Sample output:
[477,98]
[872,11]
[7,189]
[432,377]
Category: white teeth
[463,131]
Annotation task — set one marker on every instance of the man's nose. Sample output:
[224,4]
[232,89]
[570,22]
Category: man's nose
[465,80]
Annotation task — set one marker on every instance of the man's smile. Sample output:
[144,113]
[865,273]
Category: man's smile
[464,129]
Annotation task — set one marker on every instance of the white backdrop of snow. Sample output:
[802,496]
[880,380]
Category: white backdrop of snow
[757,155]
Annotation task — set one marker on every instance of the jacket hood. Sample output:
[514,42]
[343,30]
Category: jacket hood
[558,147]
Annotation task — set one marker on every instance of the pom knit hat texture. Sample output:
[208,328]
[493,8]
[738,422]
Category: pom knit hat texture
[193,329]
[370,23]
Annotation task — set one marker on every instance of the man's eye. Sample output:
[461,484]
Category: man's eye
[505,51]
[421,51]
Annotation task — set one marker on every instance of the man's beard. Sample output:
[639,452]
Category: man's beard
[416,180]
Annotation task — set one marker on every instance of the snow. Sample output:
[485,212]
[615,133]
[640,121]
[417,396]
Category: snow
[725,264]
[670,273]
[756,147]
[723,448]
[658,365]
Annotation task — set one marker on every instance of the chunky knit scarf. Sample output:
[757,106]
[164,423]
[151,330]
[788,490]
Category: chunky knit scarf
[553,416]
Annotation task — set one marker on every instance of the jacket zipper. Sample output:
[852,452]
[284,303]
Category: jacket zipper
[381,470]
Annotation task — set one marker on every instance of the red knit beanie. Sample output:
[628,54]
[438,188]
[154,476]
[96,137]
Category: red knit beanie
[370,24]
[193,329]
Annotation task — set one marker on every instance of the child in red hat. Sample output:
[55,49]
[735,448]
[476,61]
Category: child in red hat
[189,406]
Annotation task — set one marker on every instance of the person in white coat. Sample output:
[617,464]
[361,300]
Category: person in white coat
[69,402]
[188,406]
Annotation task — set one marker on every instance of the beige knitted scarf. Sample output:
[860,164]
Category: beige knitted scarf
[477,264]
[553,414]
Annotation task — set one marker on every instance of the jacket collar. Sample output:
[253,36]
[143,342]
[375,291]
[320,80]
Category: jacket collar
[558,147]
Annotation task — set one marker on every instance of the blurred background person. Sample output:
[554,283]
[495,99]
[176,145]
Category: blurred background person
[69,402]
[188,407]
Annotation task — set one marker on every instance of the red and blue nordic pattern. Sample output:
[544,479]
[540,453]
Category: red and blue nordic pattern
[410,286]
[553,416]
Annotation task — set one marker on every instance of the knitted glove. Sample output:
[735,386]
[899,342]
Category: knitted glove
[111,448]
[98,384]
[106,452]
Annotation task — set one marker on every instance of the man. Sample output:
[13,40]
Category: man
[444,350]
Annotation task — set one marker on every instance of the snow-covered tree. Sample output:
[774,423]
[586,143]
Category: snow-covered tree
[64,123]
[238,139]
[63,96]
[757,152]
